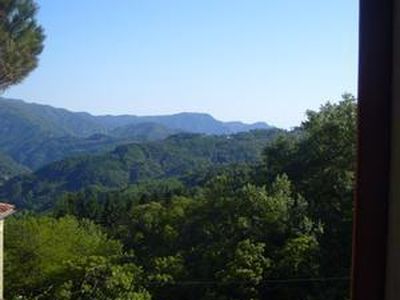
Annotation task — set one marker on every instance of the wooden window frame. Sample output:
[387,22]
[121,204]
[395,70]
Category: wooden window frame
[375,94]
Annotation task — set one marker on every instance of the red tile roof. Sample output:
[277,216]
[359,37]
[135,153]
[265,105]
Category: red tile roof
[6,210]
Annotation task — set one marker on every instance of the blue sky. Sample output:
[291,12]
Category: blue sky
[249,60]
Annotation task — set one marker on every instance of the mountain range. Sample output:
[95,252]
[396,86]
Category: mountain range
[33,135]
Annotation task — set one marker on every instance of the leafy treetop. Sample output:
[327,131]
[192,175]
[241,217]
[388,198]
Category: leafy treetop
[21,40]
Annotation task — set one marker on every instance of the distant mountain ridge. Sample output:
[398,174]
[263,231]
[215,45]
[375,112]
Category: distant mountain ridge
[84,124]
[35,134]
[185,121]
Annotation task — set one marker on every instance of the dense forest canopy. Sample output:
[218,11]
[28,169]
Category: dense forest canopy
[185,156]
[193,217]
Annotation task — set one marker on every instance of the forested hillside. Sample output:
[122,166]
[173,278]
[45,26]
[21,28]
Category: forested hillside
[188,122]
[181,156]
[39,153]
[35,135]
[239,217]
[9,168]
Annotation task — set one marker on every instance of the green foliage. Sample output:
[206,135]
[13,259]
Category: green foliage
[39,249]
[9,168]
[245,271]
[21,41]
[229,232]
[180,156]
[194,217]
[100,278]
[321,164]
[166,270]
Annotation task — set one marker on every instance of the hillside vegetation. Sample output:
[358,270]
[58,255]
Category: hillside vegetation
[253,216]
[34,135]
[9,168]
[179,156]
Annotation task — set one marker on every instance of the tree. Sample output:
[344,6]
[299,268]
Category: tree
[321,164]
[40,249]
[21,41]
[244,272]
[100,278]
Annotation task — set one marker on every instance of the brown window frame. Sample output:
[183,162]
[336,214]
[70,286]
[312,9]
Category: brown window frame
[374,149]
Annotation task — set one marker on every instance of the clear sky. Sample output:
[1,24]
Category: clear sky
[248,60]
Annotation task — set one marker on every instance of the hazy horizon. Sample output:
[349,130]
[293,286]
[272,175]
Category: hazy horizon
[249,62]
[134,115]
